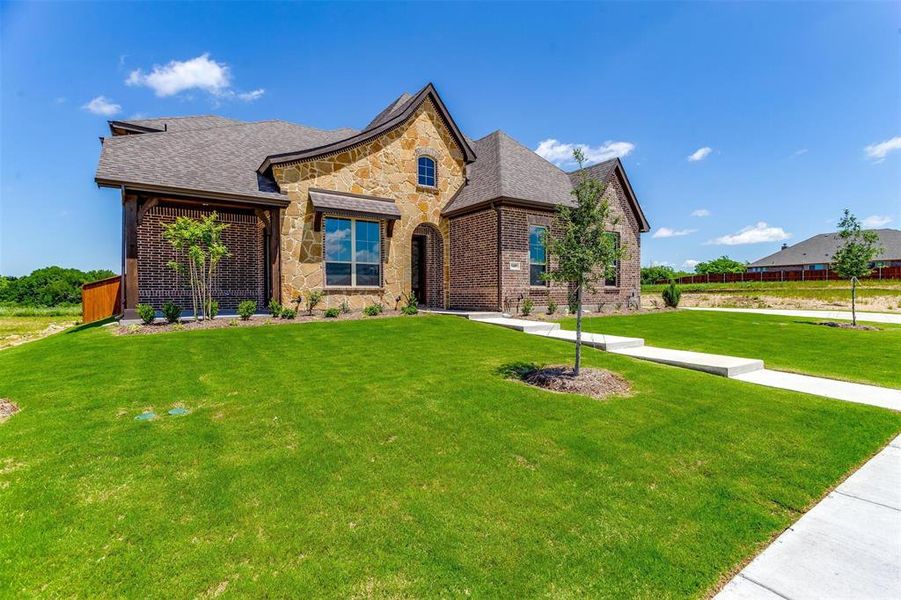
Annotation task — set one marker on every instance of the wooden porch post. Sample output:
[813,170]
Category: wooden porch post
[130,255]
[275,253]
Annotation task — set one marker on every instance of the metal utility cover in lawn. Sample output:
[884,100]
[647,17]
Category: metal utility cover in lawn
[178,411]
[145,416]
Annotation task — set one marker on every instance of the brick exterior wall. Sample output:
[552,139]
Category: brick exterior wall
[240,276]
[473,261]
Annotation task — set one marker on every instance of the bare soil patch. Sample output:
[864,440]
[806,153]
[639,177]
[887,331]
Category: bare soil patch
[219,323]
[848,326]
[7,409]
[595,383]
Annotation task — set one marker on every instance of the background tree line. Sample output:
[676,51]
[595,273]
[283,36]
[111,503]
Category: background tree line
[50,286]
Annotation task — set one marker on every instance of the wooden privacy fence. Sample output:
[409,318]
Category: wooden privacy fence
[796,275]
[101,299]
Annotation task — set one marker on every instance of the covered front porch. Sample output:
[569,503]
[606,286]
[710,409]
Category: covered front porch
[251,272]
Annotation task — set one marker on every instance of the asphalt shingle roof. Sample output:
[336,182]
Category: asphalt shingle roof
[391,110]
[173,124]
[222,159]
[820,249]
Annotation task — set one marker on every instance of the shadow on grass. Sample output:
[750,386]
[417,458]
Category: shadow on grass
[517,370]
[85,326]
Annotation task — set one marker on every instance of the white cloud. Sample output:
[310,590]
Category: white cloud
[701,212]
[879,151]
[661,263]
[700,154]
[667,232]
[799,152]
[561,153]
[690,263]
[101,105]
[875,221]
[252,95]
[177,76]
[753,234]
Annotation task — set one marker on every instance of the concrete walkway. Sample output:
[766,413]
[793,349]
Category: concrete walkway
[842,315]
[830,388]
[848,546]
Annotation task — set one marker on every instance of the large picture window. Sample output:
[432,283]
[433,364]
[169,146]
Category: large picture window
[352,253]
[611,277]
[537,254]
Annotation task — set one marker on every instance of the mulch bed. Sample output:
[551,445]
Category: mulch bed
[142,329]
[7,409]
[847,326]
[596,383]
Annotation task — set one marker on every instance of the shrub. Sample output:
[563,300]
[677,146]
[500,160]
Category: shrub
[409,309]
[171,311]
[551,306]
[232,323]
[313,300]
[213,309]
[246,309]
[275,308]
[178,327]
[373,310]
[345,307]
[288,313]
[527,305]
[671,295]
[146,312]
[573,305]
[332,313]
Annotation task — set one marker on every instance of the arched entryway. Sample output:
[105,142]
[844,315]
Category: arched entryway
[427,266]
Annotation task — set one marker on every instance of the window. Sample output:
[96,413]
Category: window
[426,171]
[352,253]
[537,254]
[611,277]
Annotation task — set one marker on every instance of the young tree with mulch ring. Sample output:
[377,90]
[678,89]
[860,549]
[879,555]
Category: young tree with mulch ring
[852,260]
[584,248]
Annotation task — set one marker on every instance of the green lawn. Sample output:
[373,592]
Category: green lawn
[786,343]
[14,329]
[388,458]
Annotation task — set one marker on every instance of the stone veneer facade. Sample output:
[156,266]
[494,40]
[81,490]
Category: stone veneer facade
[385,167]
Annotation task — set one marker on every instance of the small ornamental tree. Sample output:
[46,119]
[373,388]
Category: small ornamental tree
[583,248]
[853,258]
[201,245]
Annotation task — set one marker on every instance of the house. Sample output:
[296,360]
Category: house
[815,253]
[408,204]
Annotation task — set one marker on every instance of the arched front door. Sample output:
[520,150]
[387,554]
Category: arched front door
[427,266]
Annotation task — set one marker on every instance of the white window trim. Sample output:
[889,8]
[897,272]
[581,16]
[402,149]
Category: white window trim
[543,284]
[353,255]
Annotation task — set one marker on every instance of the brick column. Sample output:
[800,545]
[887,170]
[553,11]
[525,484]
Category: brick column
[275,253]
[130,255]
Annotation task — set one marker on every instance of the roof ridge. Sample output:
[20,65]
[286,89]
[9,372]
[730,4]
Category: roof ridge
[153,134]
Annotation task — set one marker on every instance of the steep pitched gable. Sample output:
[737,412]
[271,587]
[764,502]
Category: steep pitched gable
[396,115]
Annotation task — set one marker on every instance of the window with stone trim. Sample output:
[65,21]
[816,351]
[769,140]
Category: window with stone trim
[537,254]
[427,171]
[611,276]
[353,253]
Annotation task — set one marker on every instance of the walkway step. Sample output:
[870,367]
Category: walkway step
[595,340]
[519,324]
[830,388]
[717,364]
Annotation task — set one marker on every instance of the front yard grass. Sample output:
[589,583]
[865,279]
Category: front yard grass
[18,329]
[794,344]
[390,458]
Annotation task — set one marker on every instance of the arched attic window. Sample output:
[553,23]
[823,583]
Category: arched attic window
[427,173]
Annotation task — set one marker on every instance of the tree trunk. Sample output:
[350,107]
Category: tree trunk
[578,330]
[854,301]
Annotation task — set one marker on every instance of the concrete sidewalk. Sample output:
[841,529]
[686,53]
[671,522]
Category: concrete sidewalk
[860,393]
[842,315]
[848,546]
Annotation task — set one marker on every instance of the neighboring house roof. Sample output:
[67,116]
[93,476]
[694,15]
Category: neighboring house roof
[820,249]
[505,169]
[396,116]
[220,160]
[389,111]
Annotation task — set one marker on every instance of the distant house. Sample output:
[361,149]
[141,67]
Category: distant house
[815,254]
[407,205]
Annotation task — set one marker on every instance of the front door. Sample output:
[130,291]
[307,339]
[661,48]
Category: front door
[417,268]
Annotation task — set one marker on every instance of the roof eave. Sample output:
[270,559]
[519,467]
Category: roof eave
[191,192]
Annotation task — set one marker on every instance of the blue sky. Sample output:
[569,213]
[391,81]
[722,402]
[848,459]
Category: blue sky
[797,105]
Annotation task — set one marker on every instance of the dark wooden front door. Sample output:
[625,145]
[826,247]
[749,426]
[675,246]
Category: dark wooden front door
[417,268]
